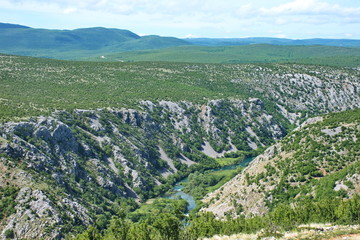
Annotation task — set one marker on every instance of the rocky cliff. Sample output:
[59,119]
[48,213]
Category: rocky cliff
[65,170]
[320,159]
[72,166]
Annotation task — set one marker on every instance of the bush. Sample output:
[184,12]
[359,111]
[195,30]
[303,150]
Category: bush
[9,234]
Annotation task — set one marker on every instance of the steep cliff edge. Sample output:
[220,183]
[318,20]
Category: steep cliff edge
[72,166]
[319,159]
[62,170]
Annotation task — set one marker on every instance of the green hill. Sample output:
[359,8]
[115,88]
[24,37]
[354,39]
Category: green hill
[110,44]
[9,25]
[80,39]
[74,44]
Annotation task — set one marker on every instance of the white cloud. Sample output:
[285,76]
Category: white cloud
[310,7]
[246,10]
[70,10]
[295,7]
[280,36]
[281,21]
[191,36]
[200,17]
[297,11]
[207,11]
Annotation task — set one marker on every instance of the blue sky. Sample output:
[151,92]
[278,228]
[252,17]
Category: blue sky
[297,19]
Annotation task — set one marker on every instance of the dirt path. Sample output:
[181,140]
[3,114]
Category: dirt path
[347,237]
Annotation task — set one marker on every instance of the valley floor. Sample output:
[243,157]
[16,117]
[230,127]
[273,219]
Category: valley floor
[309,232]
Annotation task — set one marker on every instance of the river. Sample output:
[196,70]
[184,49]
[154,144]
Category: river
[191,201]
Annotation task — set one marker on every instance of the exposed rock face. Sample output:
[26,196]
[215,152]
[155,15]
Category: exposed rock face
[68,164]
[34,214]
[238,189]
[69,159]
[328,91]
[305,159]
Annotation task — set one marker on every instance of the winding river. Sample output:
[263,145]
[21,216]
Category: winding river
[191,201]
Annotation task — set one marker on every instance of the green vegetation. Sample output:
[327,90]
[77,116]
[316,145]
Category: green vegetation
[273,41]
[9,234]
[237,157]
[120,160]
[283,217]
[322,55]
[32,87]
[319,157]
[163,219]
[227,161]
[232,158]
[97,162]
[78,43]
[7,201]
[325,186]
[223,177]
[109,44]
[159,206]
[199,184]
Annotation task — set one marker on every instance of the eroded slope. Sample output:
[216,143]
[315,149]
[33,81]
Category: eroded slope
[319,159]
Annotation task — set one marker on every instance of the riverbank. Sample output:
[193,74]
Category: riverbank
[198,184]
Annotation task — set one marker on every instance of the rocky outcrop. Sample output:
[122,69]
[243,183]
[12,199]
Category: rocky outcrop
[72,166]
[315,88]
[34,214]
[241,192]
[79,164]
[72,159]
[303,160]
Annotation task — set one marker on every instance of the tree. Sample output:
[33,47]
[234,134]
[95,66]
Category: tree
[92,233]
[118,229]
[168,226]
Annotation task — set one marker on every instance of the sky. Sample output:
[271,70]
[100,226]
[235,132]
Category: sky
[296,19]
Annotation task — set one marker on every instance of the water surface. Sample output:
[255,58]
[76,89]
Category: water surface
[191,201]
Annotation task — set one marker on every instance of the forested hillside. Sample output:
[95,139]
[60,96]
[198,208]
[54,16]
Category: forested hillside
[78,43]
[110,44]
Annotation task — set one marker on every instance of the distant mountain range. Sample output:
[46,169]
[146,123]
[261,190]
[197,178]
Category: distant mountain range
[9,25]
[89,43]
[22,40]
